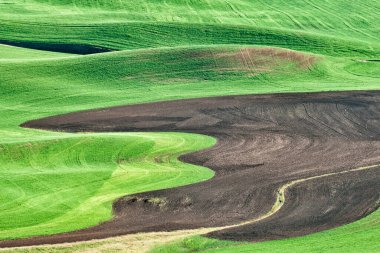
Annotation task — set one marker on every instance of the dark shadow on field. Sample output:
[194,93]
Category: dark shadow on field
[57,47]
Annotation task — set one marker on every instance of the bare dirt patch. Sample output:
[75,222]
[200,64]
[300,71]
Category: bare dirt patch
[264,142]
[266,58]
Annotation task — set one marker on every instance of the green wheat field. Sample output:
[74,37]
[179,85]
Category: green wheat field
[157,50]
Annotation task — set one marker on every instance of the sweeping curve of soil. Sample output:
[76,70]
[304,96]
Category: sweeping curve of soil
[264,142]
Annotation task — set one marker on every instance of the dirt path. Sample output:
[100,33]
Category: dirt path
[264,142]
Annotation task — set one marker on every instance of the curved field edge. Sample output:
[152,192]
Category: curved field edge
[176,35]
[40,178]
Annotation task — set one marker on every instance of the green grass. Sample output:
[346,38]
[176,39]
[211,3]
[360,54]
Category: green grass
[58,182]
[70,182]
[328,27]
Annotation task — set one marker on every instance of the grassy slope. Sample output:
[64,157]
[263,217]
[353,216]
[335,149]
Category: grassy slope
[328,27]
[69,182]
[51,86]
[57,182]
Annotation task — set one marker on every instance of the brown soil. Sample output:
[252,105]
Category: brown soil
[264,142]
[261,60]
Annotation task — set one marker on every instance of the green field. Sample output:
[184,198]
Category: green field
[162,50]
